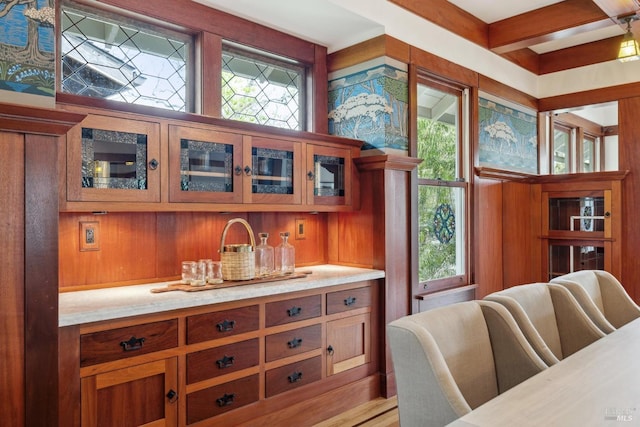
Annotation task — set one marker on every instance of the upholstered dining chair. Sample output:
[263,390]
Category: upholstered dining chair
[602,297]
[550,318]
[450,360]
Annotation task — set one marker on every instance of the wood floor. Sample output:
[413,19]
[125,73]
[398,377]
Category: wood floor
[379,412]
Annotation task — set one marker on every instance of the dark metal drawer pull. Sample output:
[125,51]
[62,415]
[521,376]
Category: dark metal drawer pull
[350,301]
[225,362]
[226,325]
[294,311]
[295,377]
[226,400]
[133,344]
[296,342]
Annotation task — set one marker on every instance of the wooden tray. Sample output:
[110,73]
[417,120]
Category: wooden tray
[177,286]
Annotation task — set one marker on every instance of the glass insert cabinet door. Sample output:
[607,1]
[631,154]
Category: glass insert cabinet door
[113,159]
[273,176]
[577,231]
[211,166]
[565,257]
[328,175]
[204,165]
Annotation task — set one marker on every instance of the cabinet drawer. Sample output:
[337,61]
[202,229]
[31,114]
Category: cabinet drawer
[292,342]
[222,360]
[290,377]
[340,301]
[292,310]
[222,398]
[114,344]
[210,326]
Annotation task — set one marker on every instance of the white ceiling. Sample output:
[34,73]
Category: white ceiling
[326,23]
[319,21]
[490,11]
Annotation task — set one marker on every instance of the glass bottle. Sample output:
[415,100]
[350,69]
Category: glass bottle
[285,255]
[264,257]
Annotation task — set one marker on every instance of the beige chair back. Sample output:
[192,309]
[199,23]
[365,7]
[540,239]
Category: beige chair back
[532,307]
[444,361]
[602,297]
[550,318]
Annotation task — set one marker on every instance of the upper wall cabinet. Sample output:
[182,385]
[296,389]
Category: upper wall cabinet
[220,167]
[113,160]
[329,172]
[123,164]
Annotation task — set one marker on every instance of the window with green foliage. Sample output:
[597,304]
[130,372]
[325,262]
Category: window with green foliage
[262,89]
[441,187]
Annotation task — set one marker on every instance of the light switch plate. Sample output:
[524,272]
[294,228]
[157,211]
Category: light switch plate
[89,236]
[300,229]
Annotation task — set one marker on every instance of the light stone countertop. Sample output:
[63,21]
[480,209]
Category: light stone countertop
[80,307]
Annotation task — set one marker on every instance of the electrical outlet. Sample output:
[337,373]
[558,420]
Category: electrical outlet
[300,229]
[89,236]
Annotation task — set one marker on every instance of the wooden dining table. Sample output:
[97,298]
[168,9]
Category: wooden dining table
[596,386]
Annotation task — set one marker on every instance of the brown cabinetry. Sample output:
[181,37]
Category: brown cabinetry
[113,160]
[581,224]
[159,164]
[144,394]
[329,172]
[293,375]
[115,344]
[293,310]
[293,342]
[216,400]
[229,363]
[209,165]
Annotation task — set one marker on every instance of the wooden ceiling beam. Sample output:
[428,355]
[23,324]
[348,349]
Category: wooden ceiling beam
[579,56]
[450,17]
[548,23]
[511,37]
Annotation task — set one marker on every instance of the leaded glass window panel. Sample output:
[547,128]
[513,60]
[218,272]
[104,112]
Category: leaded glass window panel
[260,89]
[111,57]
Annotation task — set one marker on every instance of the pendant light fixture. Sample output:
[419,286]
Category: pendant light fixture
[629,49]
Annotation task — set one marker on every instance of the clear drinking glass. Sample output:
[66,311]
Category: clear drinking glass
[189,270]
[285,255]
[264,257]
[214,272]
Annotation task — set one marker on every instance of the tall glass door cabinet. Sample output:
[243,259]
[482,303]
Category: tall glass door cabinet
[581,226]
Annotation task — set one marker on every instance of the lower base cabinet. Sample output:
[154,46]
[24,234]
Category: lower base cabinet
[145,394]
[241,363]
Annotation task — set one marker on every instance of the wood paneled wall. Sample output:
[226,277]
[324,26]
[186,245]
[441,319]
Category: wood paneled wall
[629,159]
[11,278]
[139,247]
[487,247]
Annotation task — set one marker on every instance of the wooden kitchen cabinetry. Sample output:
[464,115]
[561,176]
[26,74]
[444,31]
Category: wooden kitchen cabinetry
[329,172]
[581,224]
[125,162]
[118,388]
[212,166]
[252,361]
[111,159]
